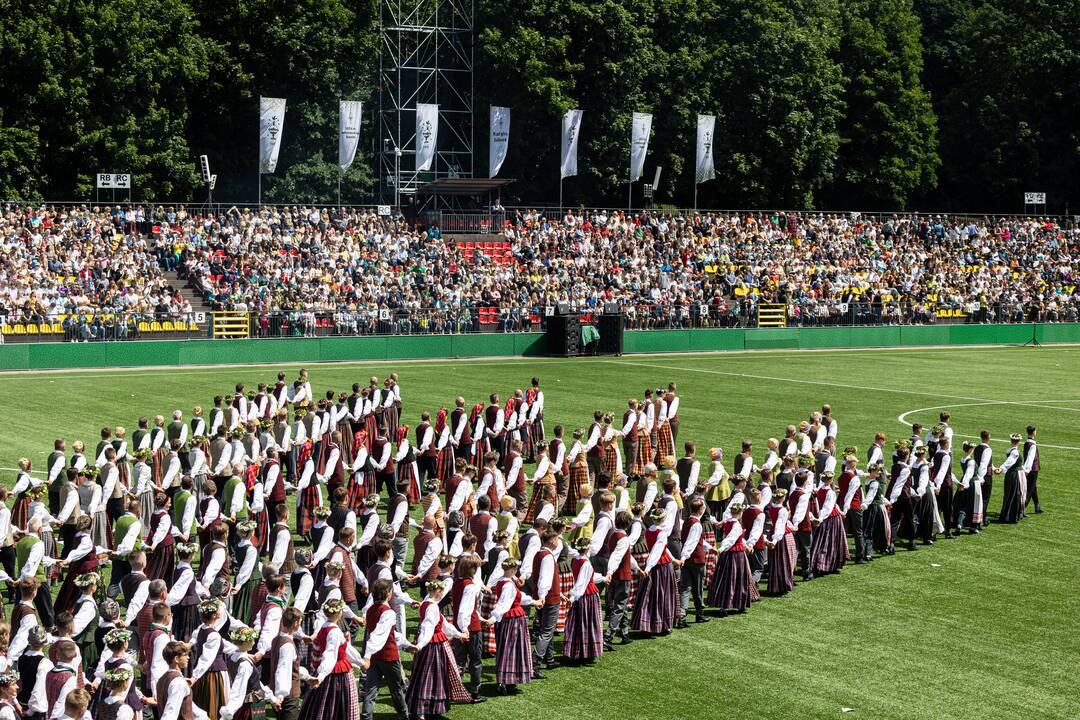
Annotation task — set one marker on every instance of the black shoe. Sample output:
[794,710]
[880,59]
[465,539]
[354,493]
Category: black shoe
[861,561]
[974,531]
[949,536]
[626,640]
[681,624]
[478,698]
[702,619]
[537,675]
[501,689]
[552,665]
[608,647]
[1038,510]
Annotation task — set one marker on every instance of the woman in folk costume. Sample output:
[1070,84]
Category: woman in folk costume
[644,445]
[665,442]
[245,687]
[829,548]
[82,559]
[24,483]
[160,558]
[513,648]
[609,439]
[343,420]
[730,586]
[249,575]
[877,525]
[1013,492]
[581,525]
[658,593]
[492,571]
[198,450]
[308,494]
[925,507]
[113,695]
[434,682]
[334,695]
[584,640]
[566,574]
[579,473]
[144,487]
[159,448]
[38,509]
[258,514]
[480,444]
[543,477]
[969,512]
[405,461]
[361,473]
[639,550]
[367,415]
[718,485]
[525,428]
[508,523]
[431,504]
[209,670]
[444,459]
[781,547]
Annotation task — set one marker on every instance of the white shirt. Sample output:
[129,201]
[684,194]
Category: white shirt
[429,622]
[283,677]
[334,640]
[177,691]
[581,580]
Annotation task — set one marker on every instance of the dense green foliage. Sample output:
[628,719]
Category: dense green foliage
[877,104]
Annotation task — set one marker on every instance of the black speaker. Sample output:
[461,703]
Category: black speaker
[564,335]
[612,308]
[611,334]
[562,308]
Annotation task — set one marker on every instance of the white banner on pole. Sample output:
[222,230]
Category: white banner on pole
[499,140]
[349,114]
[639,144]
[271,125]
[571,130]
[706,170]
[427,134]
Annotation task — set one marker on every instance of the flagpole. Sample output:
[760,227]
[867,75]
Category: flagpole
[560,192]
[695,193]
[339,189]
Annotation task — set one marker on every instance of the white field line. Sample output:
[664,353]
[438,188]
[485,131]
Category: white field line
[902,417]
[158,370]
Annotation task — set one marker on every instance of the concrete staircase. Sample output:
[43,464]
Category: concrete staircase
[193,297]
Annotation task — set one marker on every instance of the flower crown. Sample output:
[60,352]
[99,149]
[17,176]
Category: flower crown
[322,511]
[120,674]
[209,606]
[87,579]
[117,635]
[333,606]
[187,548]
[245,526]
[243,634]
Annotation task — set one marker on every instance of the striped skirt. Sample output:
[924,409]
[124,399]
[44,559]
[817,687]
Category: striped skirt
[361,485]
[261,537]
[487,605]
[306,501]
[528,444]
[20,511]
[566,581]
[146,505]
[444,466]
[730,586]
[829,548]
[48,539]
[611,461]
[458,693]
[335,697]
[878,527]
[781,566]
[657,596]
[347,439]
[101,529]
[640,558]
[410,476]
[536,500]
[210,692]
[371,427]
[513,654]
[711,556]
[538,429]
[431,681]
[644,455]
[584,629]
[243,601]
[390,419]
[577,487]
[665,444]
[479,448]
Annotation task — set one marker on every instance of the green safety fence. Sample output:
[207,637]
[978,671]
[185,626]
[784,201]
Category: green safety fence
[40,356]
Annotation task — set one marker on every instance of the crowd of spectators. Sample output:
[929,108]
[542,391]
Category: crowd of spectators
[304,270]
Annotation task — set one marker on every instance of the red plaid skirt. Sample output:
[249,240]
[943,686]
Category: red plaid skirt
[535,501]
[444,466]
[709,536]
[781,565]
[513,655]
[407,473]
[658,594]
[371,427]
[528,444]
[644,454]
[579,483]
[566,581]
[641,558]
[306,502]
[584,629]
[730,588]
[487,606]
[346,446]
[829,548]
[261,537]
[666,444]
[431,683]
[360,489]
[611,461]
[335,697]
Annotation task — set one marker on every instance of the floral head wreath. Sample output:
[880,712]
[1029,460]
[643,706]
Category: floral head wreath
[87,579]
[244,634]
[120,674]
[117,635]
[9,678]
[333,606]
[187,548]
[209,606]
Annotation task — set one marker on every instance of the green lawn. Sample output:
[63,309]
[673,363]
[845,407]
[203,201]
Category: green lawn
[976,627]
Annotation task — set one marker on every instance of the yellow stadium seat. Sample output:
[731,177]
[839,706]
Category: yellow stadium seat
[193,327]
[31,329]
[57,328]
[20,329]
[155,326]
[144,326]
[6,329]
[167,326]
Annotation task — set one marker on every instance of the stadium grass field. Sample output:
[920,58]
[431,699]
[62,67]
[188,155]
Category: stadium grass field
[975,627]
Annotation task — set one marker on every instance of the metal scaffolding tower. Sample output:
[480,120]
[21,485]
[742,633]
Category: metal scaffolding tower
[425,56]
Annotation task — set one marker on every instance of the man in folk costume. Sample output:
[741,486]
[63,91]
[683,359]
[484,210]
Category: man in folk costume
[514,474]
[466,602]
[900,497]
[341,420]
[287,673]
[381,661]
[693,556]
[427,549]
[536,411]
[405,460]
[547,596]
[876,453]
[281,542]
[483,526]
[621,568]
[556,453]
[592,447]
[341,553]
[60,681]
[375,399]
[1031,469]
[942,478]
[665,446]
[672,402]
[461,434]
[445,448]
[397,517]
[184,507]
[332,470]
[850,497]
[801,504]
[177,430]
[382,460]
[220,456]
[460,493]
[172,691]
[510,428]
[688,469]
[495,426]
[984,469]
[390,418]
[651,409]
[426,448]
